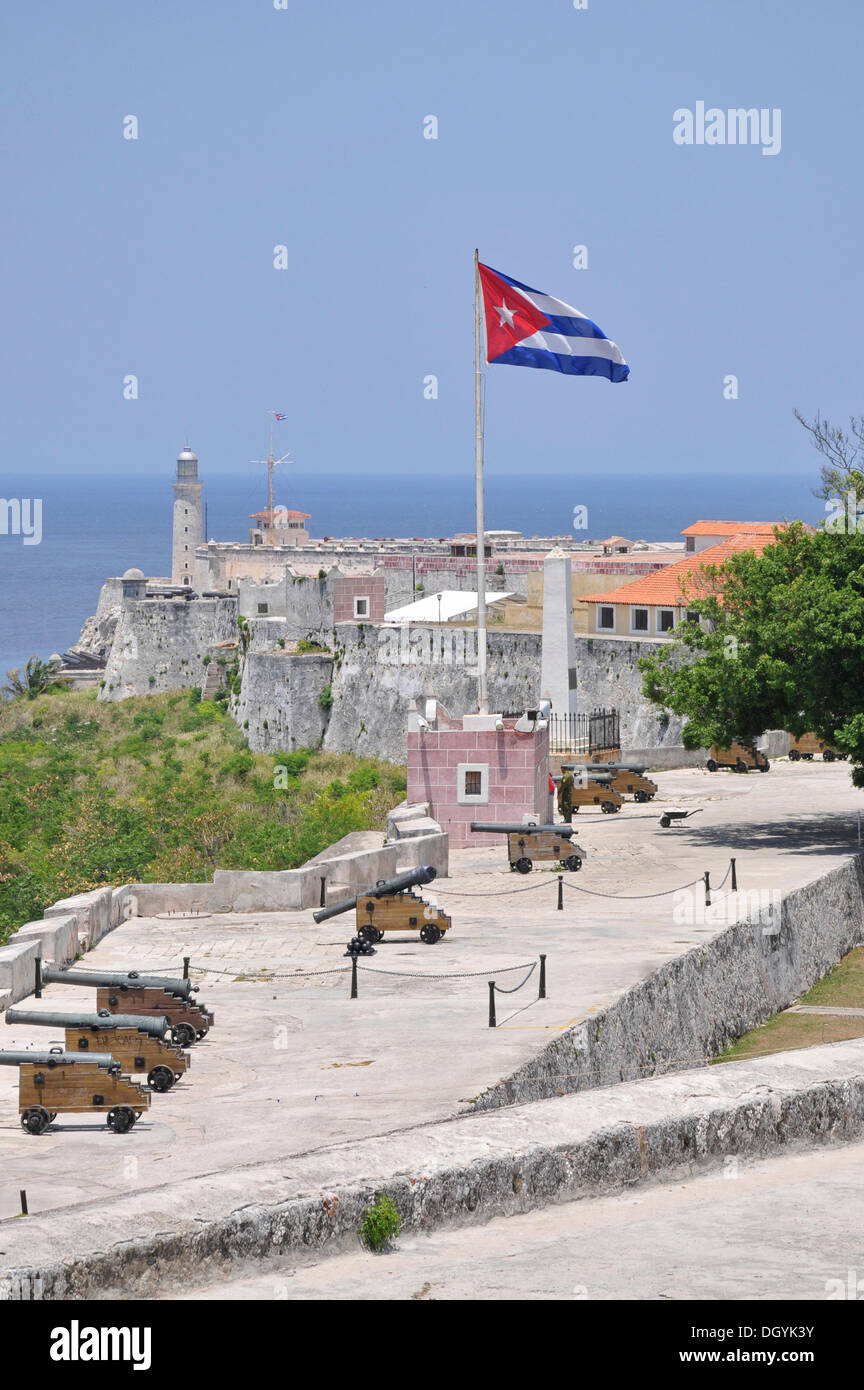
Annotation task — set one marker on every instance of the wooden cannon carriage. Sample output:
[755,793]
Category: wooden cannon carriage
[135,1041]
[738,757]
[808,745]
[593,789]
[55,1082]
[391,906]
[627,779]
[129,992]
[528,845]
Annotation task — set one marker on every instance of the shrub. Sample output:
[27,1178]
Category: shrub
[325,699]
[381,1223]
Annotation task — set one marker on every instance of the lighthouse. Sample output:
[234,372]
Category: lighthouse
[187,518]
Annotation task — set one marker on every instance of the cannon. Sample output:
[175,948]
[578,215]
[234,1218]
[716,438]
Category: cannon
[626,779]
[738,757]
[135,1041]
[128,992]
[122,980]
[390,905]
[809,744]
[594,789]
[530,844]
[54,1081]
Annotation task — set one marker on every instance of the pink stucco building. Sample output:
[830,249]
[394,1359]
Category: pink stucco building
[469,769]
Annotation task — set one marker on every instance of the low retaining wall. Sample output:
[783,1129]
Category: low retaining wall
[695,1005]
[18,969]
[489,1172]
[93,911]
[57,938]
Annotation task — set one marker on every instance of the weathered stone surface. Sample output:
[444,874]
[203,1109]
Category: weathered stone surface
[279,700]
[160,644]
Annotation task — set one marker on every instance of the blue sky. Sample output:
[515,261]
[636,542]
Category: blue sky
[304,127]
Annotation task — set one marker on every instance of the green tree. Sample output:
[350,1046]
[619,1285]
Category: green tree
[38,676]
[782,647]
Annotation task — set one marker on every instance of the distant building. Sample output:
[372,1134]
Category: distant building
[703,534]
[188,527]
[286,527]
[654,605]
[616,545]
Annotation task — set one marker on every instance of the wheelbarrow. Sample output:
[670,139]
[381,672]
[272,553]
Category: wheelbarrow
[668,816]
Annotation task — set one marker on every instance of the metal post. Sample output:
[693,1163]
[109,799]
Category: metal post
[482,693]
[734,878]
[560,892]
[38,988]
[23,1195]
[542,994]
[186,960]
[492,1023]
[707,877]
[353,975]
[323,899]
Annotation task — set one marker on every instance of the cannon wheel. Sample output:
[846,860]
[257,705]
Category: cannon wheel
[35,1119]
[711,765]
[369,932]
[741,766]
[794,755]
[161,1078]
[121,1118]
[523,866]
[573,862]
[765,767]
[609,807]
[665,822]
[827,756]
[640,796]
[430,934]
[183,1034]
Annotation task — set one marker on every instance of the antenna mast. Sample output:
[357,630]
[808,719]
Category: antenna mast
[271,463]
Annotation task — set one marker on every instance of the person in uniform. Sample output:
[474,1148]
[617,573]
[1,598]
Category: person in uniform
[565,796]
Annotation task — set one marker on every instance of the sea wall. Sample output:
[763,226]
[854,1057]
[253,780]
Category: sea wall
[691,1008]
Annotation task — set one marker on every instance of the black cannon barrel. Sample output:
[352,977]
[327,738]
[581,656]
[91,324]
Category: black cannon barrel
[384,888]
[120,980]
[564,831]
[590,774]
[153,1027]
[616,767]
[57,1059]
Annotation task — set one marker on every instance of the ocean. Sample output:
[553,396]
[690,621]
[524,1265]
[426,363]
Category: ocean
[96,526]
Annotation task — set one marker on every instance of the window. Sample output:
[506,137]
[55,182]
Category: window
[690,543]
[638,619]
[692,617]
[263,608]
[472,783]
[665,619]
[361,607]
[605,618]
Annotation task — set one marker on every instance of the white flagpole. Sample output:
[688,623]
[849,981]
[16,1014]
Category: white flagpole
[482,692]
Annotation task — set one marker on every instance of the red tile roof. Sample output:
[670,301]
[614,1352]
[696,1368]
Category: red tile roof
[730,528]
[663,587]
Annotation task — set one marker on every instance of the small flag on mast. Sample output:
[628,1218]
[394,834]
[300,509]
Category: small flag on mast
[280,417]
[527,328]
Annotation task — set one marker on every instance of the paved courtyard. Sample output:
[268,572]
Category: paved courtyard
[293,1063]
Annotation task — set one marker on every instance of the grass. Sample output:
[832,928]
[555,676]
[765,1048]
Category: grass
[842,987]
[161,788]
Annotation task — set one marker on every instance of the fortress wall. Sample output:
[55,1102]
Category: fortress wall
[278,700]
[380,670]
[160,644]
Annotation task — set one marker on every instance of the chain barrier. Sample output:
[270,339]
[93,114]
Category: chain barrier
[516,987]
[633,897]
[458,975]
[504,894]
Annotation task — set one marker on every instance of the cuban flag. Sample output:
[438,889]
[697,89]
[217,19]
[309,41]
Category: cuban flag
[527,328]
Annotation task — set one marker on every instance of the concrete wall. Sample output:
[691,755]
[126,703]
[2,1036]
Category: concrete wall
[57,938]
[516,769]
[92,910]
[160,644]
[693,1007]
[18,970]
